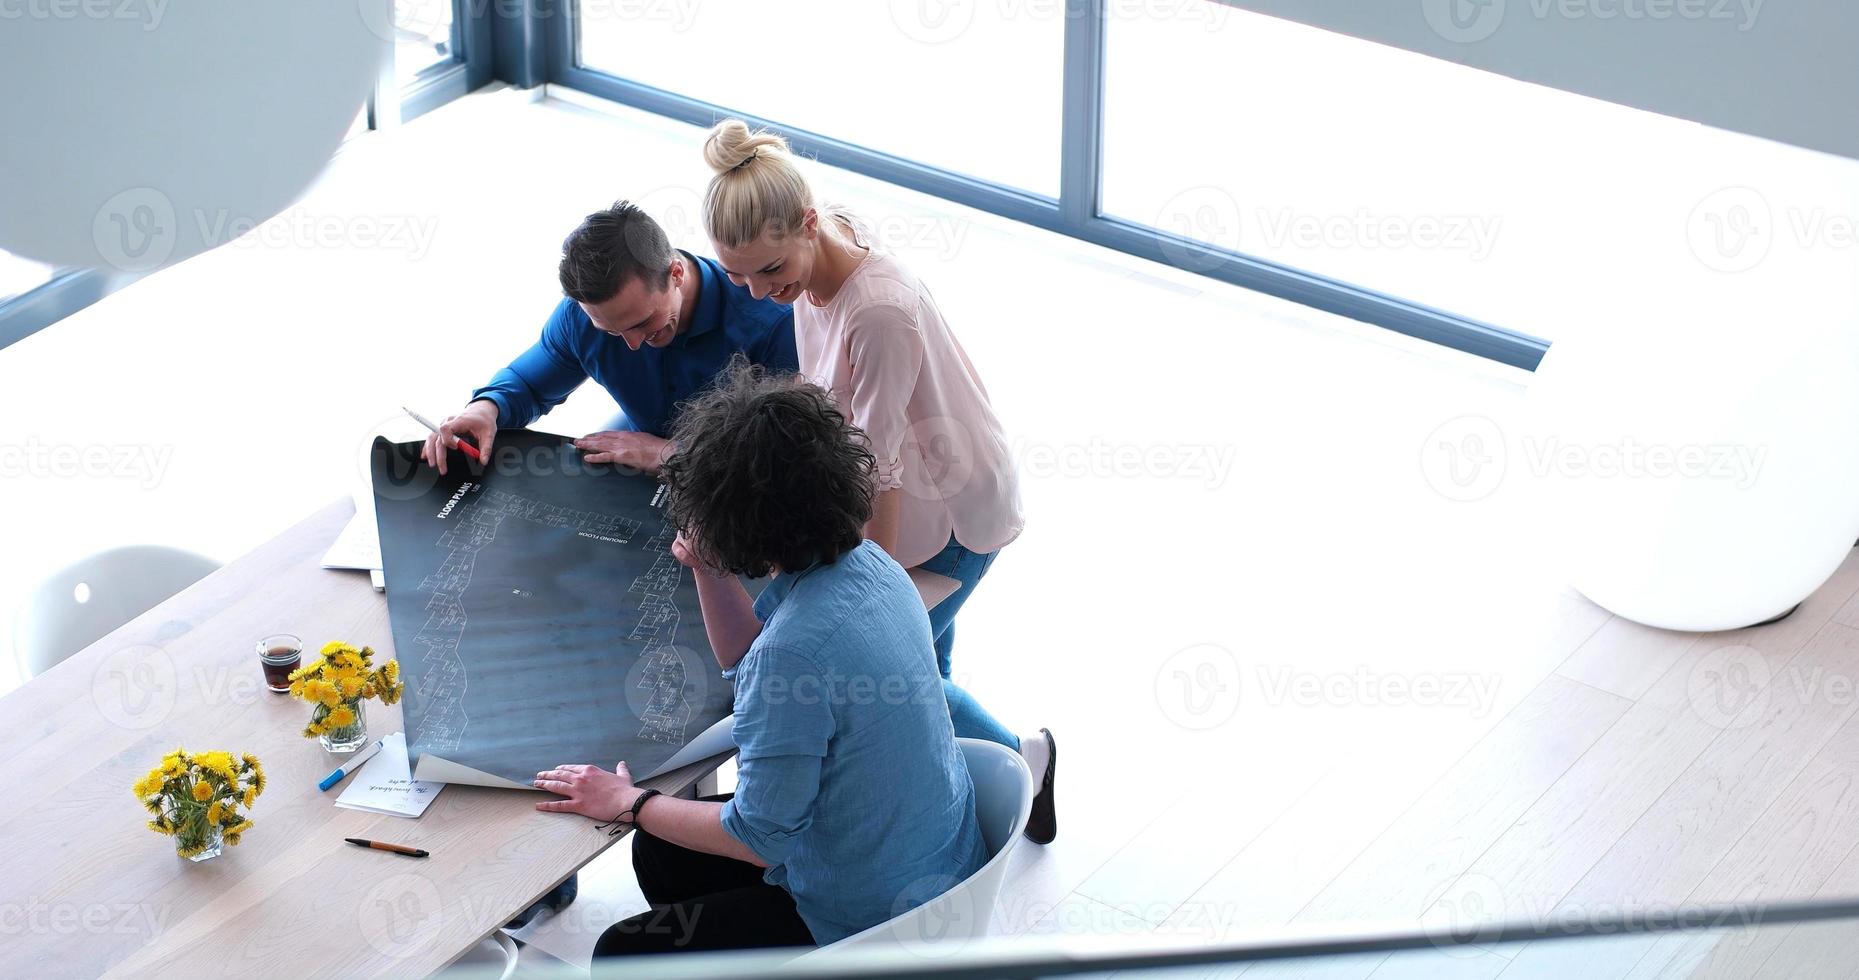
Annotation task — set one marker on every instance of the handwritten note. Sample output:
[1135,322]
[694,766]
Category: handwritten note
[386,784]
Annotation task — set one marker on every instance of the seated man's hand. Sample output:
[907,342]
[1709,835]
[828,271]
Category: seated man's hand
[590,790]
[639,450]
[478,420]
[681,550]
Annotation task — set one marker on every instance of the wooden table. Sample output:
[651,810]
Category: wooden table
[86,889]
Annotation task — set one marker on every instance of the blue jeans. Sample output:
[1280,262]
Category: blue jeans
[970,718]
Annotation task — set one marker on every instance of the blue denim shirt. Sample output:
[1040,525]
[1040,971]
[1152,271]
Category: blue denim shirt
[651,381]
[850,784]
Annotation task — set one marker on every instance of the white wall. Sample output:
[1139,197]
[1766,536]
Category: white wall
[1787,70]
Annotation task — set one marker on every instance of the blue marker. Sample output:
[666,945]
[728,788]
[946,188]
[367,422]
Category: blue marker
[353,764]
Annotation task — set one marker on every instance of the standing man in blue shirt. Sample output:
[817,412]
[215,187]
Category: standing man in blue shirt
[655,326]
[652,324]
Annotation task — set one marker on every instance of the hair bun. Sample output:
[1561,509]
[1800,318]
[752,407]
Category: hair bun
[731,144]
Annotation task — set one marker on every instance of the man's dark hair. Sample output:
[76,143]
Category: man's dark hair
[768,473]
[612,248]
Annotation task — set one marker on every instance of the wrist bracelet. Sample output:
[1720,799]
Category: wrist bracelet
[632,815]
[629,816]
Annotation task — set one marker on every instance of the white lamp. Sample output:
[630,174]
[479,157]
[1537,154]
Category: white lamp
[1700,455]
[135,133]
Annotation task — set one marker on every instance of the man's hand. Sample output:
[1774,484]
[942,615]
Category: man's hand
[641,451]
[728,613]
[478,420]
[590,790]
[682,551]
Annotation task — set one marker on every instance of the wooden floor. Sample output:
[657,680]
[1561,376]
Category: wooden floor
[1649,769]
[1646,770]
[1292,681]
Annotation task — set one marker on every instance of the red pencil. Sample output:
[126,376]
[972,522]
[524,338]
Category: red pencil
[467,448]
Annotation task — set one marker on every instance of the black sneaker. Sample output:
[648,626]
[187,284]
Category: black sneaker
[557,899]
[1042,825]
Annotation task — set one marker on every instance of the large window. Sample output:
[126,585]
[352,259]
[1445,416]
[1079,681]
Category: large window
[1128,124]
[1451,204]
[1447,203]
[872,72]
[1505,202]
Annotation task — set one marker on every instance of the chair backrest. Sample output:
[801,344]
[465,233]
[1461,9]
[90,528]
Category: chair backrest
[83,602]
[1003,800]
[497,955]
[1003,791]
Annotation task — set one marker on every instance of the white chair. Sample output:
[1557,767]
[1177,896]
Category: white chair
[496,954]
[85,601]
[1003,800]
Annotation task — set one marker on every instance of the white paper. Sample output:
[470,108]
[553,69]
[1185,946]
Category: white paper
[384,784]
[358,546]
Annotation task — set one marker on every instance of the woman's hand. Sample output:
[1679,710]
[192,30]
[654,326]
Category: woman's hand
[590,790]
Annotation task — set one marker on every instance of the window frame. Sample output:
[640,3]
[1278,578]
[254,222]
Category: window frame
[68,291]
[530,42]
[472,65]
[1078,210]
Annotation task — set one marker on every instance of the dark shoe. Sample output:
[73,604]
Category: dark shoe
[1043,823]
[557,899]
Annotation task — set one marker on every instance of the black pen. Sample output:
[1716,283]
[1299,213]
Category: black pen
[384,846]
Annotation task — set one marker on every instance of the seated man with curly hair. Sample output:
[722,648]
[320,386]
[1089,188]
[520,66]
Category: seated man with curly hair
[853,802]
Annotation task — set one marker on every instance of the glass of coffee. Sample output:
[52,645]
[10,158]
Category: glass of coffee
[279,655]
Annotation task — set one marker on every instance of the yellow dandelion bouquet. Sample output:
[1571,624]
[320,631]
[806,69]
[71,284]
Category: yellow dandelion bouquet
[196,799]
[337,682]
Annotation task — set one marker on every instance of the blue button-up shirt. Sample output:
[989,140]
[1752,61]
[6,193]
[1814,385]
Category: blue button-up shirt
[651,381]
[850,784]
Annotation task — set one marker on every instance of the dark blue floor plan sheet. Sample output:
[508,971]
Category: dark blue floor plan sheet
[538,613]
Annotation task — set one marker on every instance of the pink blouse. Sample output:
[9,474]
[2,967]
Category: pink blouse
[881,347]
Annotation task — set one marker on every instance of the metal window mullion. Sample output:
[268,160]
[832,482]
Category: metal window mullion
[384,105]
[1081,141]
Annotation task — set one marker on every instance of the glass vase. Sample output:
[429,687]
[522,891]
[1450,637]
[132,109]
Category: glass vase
[349,737]
[209,847]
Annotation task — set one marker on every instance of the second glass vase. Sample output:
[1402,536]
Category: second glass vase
[349,737]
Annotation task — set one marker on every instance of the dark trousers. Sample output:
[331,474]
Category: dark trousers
[701,902]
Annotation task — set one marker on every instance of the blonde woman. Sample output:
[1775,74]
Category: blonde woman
[868,331]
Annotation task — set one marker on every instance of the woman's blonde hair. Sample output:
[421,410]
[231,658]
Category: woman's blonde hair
[757,188]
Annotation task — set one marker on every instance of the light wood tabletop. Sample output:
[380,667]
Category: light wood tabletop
[86,889]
